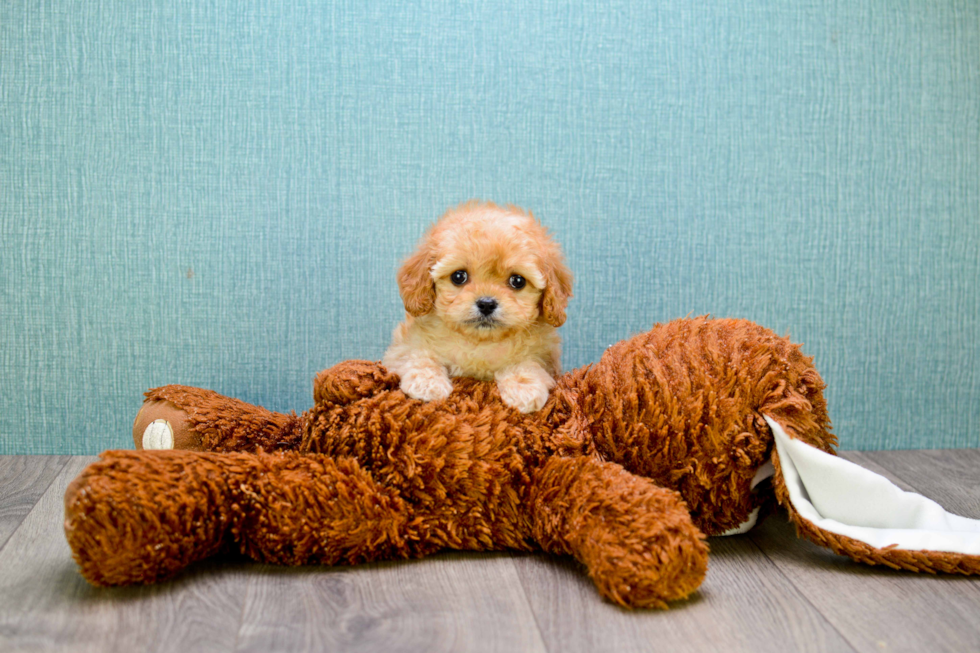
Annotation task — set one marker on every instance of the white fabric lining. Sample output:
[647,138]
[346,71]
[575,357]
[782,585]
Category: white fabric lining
[846,499]
[764,472]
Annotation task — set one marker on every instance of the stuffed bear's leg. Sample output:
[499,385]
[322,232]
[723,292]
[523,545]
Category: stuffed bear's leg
[636,539]
[194,419]
[683,405]
[140,517]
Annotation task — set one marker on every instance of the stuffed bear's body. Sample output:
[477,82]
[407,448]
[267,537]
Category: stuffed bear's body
[628,466]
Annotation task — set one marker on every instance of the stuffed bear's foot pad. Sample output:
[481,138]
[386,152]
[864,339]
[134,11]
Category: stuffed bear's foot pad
[158,435]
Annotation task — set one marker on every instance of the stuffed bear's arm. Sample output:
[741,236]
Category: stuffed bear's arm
[636,539]
[195,419]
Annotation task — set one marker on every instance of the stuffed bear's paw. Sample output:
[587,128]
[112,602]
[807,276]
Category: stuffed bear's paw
[525,388]
[426,384]
[160,425]
[349,381]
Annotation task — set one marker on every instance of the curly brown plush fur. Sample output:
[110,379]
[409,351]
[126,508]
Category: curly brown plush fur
[628,466]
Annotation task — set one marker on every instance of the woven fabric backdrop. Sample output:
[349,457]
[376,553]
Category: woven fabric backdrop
[218,192]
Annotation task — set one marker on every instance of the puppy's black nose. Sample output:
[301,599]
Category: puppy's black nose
[487,305]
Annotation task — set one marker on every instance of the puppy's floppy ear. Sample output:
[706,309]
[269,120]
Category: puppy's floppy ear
[558,288]
[415,283]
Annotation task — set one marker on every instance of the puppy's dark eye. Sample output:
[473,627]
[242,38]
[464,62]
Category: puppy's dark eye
[459,277]
[517,282]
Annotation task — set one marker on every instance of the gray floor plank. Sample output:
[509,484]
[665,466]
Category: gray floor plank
[745,604]
[23,479]
[45,605]
[448,602]
[875,608]
[767,591]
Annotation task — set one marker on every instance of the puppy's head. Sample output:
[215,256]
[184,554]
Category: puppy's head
[487,271]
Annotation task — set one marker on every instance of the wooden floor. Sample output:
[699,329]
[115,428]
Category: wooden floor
[765,591]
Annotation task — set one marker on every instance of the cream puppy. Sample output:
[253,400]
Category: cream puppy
[484,293]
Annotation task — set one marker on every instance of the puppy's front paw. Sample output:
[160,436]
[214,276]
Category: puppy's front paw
[426,384]
[525,392]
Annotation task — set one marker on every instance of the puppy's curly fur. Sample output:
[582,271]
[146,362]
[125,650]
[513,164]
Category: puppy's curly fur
[484,294]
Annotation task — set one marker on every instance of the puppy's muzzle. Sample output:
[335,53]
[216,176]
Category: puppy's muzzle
[486,306]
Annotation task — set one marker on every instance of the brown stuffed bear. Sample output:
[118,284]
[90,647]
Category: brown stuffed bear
[629,465]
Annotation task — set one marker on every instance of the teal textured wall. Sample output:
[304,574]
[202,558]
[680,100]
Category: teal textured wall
[217,193]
